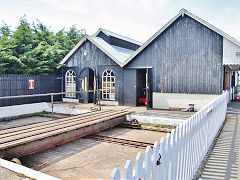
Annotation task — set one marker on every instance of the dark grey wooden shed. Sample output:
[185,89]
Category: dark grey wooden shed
[187,55]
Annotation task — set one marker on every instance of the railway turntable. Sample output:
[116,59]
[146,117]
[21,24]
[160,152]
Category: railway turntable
[28,139]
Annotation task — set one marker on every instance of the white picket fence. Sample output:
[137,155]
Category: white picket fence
[181,151]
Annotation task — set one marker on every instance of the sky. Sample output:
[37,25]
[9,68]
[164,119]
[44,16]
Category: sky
[136,19]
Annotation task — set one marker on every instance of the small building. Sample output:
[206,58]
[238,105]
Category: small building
[187,55]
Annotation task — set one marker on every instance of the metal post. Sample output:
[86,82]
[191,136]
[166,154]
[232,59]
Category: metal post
[147,89]
[99,100]
[52,104]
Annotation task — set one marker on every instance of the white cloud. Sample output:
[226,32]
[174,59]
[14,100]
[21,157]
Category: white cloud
[134,17]
[137,19]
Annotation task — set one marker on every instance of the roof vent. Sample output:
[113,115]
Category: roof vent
[182,11]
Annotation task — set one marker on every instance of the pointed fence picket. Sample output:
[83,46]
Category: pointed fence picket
[179,155]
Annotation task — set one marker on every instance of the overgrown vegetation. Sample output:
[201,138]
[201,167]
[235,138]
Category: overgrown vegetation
[158,127]
[34,48]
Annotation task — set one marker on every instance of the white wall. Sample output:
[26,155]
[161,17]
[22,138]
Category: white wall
[24,109]
[155,120]
[18,110]
[229,53]
[176,100]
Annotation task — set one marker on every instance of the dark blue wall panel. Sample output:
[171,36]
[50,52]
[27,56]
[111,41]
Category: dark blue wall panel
[118,42]
[104,37]
[14,85]
[129,88]
[97,61]
[186,58]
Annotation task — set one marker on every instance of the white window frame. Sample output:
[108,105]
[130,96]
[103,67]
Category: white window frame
[70,83]
[108,85]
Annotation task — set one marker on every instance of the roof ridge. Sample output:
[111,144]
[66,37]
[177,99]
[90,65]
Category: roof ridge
[181,13]
[116,35]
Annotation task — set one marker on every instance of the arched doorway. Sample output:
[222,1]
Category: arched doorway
[87,82]
[70,83]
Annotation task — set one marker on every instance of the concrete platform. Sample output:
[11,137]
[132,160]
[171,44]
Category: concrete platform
[156,116]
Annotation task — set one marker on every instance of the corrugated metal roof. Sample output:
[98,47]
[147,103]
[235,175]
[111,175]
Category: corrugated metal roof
[117,54]
[110,33]
[121,54]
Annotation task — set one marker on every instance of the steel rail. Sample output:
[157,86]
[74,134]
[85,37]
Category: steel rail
[137,144]
[4,133]
[56,132]
[45,129]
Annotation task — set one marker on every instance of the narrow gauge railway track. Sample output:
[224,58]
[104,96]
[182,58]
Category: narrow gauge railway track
[41,130]
[28,139]
[126,142]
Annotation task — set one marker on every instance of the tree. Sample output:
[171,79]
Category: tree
[34,48]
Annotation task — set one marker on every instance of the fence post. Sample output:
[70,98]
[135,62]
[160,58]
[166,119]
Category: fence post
[183,175]
[154,160]
[200,149]
[176,153]
[192,144]
[171,155]
[179,162]
[139,172]
[188,148]
[162,167]
[166,157]
[115,175]
[128,170]
[147,163]
[52,104]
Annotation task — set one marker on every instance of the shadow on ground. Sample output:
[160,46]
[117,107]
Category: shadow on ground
[224,160]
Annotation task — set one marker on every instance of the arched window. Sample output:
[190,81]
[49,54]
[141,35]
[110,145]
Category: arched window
[70,83]
[108,85]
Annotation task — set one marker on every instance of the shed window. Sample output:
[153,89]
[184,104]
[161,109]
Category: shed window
[108,85]
[70,82]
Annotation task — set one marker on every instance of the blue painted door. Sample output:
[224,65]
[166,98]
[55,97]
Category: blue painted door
[129,88]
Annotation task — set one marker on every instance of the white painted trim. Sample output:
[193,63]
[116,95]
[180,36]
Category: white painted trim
[85,38]
[71,100]
[73,50]
[26,171]
[151,39]
[181,13]
[109,103]
[210,26]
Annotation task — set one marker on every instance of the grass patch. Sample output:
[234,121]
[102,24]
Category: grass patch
[146,124]
[22,175]
[42,113]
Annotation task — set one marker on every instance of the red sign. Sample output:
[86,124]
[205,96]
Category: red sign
[30,84]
